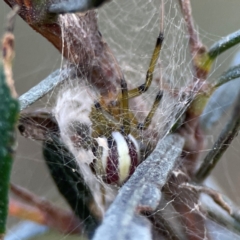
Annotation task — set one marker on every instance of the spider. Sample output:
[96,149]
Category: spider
[113,136]
[116,162]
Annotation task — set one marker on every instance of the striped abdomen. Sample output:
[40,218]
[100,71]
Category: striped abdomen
[120,159]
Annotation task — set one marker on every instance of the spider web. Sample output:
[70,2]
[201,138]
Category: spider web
[133,57]
[131,28]
[133,46]
[131,33]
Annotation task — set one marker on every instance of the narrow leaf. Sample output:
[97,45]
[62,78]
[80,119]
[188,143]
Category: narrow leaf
[9,109]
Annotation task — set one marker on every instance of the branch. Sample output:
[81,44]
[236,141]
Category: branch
[220,146]
[229,75]
[223,97]
[194,41]
[206,60]
[197,49]
[141,193]
[221,218]
[62,6]
[85,48]
[62,220]
[8,50]
[26,230]
[216,196]
[45,86]
[224,44]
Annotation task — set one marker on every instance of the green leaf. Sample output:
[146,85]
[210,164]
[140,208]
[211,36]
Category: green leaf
[9,109]
[70,183]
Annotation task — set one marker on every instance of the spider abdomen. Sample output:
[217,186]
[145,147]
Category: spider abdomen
[120,159]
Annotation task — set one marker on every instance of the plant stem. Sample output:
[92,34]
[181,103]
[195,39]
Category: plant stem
[230,74]
[221,145]
[62,6]
[224,44]
[223,219]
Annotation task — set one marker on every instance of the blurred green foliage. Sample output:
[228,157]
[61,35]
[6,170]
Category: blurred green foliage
[9,109]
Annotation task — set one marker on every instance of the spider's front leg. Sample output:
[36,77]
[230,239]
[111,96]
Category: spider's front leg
[149,76]
[148,119]
[126,95]
[124,108]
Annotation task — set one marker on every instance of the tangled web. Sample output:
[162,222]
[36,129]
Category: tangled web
[131,33]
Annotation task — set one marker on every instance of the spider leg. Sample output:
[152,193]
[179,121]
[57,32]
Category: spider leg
[103,121]
[148,119]
[125,108]
[107,119]
[149,76]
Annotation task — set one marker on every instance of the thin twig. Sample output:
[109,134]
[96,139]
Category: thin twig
[8,52]
[45,86]
[224,96]
[11,17]
[229,75]
[197,49]
[25,211]
[223,219]
[216,196]
[220,146]
[26,230]
[75,6]
[162,12]
[194,42]
[55,217]
[86,48]
[220,47]
[224,44]
[141,193]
